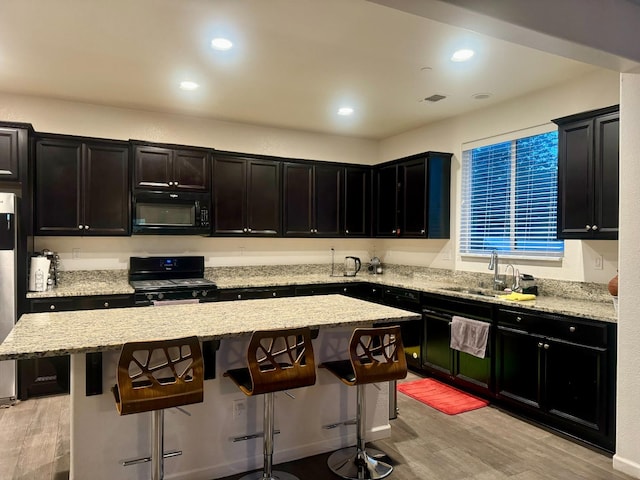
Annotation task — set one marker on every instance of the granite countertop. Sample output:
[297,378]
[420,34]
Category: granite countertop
[83,331]
[590,301]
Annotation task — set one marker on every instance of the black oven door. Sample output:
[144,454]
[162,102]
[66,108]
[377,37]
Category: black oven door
[171,213]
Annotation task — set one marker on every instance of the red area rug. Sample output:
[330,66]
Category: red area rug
[442,397]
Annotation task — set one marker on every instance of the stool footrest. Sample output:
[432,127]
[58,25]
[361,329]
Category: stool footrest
[353,421]
[136,461]
[251,437]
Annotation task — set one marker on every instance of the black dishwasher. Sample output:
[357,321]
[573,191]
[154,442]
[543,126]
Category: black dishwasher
[412,331]
[439,359]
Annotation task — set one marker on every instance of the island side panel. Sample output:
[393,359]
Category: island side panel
[100,438]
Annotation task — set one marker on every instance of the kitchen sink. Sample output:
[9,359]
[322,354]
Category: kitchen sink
[483,292]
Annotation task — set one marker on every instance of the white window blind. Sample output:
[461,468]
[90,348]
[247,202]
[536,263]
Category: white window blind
[509,198]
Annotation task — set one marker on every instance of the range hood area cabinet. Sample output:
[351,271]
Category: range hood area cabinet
[163,167]
[588,175]
[81,187]
[413,197]
[246,195]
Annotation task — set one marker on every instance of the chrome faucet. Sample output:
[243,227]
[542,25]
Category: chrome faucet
[493,265]
[512,286]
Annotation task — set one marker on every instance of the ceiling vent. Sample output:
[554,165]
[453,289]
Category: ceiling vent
[434,98]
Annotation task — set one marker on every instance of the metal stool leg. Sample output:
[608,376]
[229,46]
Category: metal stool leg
[157,445]
[267,472]
[355,463]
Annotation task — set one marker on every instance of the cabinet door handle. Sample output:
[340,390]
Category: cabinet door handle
[540,344]
[422,231]
[239,297]
[170,184]
[347,232]
[275,294]
[80,227]
[344,289]
[546,346]
[595,227]
[106,304]
[249,230]
[588,227]
[572,329]
[86,227]
[52,307]
[244,230]
[518,319]
[175,184]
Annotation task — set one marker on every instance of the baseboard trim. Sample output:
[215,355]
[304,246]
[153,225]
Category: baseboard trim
[626,466]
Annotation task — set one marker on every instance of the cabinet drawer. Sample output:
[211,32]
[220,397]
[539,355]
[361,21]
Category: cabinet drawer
[401,298]
[554,326]
[250,293]
[80,303]
[319,289]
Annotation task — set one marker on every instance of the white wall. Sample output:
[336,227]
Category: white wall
[600,89]
[627,457]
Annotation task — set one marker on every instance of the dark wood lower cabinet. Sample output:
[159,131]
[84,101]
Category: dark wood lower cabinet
[560,371]
[43,376]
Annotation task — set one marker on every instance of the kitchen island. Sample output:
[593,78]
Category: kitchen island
[100,439]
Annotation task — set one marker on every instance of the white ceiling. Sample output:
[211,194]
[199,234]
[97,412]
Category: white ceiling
[294,62]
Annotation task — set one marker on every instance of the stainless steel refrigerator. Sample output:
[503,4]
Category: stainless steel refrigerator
[8,294]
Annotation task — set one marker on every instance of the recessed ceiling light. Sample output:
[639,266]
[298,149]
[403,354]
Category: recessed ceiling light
[462,55]
[187,85]
[221,43]
[345,111]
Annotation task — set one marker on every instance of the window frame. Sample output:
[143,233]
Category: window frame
[466,249]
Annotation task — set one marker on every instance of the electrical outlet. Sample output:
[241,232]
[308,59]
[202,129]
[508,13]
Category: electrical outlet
[597,263]
[239,408]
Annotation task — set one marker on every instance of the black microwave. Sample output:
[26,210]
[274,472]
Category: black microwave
[171,213]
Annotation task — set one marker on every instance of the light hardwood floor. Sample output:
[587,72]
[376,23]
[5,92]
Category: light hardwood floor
[485,444]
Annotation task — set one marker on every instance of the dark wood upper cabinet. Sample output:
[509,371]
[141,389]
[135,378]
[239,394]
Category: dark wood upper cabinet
[387,201]
[81,188]
[413,197]
[357,202]
[9,160]
[312,199]
[163,168]
[588,174]
[246,196]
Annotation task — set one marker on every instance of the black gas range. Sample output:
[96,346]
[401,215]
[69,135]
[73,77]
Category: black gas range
[164,279]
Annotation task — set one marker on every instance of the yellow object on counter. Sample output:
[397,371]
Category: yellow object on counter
[517,297]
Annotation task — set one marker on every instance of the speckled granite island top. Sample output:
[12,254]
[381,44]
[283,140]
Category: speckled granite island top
[60,333]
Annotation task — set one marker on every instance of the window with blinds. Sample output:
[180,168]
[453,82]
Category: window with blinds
[510,197]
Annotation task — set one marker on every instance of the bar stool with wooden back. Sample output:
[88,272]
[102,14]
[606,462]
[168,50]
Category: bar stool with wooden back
[153,376]
[278,360]
[375,355]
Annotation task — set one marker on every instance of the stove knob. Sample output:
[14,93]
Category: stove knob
[160,296]
[194,293]
[204,293]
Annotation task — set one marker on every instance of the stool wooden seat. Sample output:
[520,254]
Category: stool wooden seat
[277,360]
[375,355]
[153,376]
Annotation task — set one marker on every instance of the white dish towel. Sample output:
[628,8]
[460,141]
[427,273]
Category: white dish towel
[469,336]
